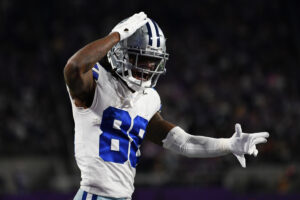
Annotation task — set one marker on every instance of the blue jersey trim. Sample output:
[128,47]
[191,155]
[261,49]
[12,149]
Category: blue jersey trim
[95,72]
[84,195]
[95,75]
[94,197]
[96,66]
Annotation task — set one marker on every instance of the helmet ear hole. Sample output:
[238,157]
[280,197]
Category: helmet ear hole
[140,59]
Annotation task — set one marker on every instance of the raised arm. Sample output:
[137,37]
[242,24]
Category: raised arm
[78,70]
[78,73]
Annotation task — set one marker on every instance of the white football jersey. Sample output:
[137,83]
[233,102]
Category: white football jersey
[109,133]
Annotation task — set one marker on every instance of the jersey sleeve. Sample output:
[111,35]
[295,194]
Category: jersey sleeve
[155,100]
[158,105]
[100,75]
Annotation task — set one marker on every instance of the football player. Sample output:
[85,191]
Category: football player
[115,107]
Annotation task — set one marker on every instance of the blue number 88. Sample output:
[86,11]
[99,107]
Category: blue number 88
[114,141]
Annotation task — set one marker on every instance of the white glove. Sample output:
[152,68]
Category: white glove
[130,25]
[243,143]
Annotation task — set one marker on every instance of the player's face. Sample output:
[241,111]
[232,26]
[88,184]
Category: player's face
[143,62]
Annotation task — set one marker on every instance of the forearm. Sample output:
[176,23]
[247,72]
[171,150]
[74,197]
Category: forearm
[86,57]
[188,145]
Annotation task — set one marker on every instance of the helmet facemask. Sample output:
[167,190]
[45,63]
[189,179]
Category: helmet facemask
[137,62]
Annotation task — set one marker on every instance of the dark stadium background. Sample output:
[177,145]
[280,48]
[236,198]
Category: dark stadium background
[230,61]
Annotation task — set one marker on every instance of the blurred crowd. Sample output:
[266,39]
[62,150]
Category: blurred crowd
[230,62]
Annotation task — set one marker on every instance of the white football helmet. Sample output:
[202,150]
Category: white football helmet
[140,59]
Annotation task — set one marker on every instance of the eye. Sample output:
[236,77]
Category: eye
[132,58]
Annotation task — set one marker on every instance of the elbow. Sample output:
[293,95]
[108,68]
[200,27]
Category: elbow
[71,65]
[71,70]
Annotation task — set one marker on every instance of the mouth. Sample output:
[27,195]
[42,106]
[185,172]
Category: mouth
[140,76]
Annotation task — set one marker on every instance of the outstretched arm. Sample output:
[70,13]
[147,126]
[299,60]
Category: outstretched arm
[158,129]
[176,139]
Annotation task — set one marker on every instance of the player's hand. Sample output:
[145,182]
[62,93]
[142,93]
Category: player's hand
[244,143]
[128,27]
